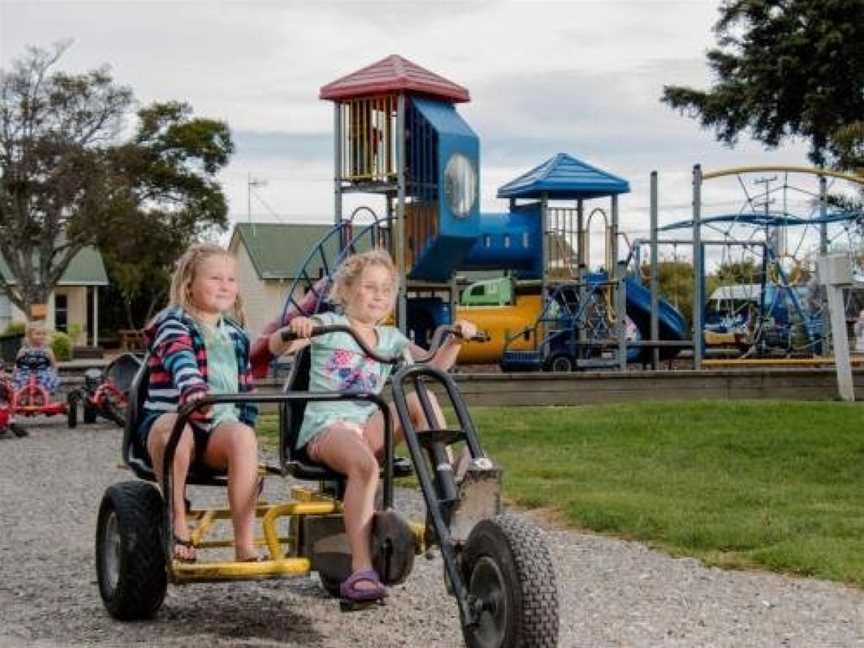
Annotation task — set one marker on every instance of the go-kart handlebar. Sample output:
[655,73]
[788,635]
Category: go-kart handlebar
[437,339]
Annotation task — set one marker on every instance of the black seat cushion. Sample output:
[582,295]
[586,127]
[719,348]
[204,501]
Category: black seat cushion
[296,462]
[135,455]
[122,371]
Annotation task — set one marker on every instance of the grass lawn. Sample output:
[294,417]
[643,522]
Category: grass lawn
[777,485]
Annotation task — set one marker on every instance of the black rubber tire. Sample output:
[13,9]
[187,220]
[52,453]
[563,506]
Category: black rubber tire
[72,412]
[18,431]
[330,586]
[513,554]
[129,535]
[89,413]
[561,363]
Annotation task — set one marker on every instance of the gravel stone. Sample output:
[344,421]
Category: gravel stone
[612,593]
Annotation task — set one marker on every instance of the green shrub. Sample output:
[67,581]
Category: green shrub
[15,328]
[61,344]
[74,330]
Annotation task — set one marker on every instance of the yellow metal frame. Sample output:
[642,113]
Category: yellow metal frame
[282,559]
[789,169]
[281,562]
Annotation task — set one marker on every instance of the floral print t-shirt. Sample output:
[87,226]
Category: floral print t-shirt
[338,364]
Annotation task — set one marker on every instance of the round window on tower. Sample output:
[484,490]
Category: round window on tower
[460,184]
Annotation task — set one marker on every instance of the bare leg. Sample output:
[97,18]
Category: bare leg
[234,446]
[156,442]
[343,449]
[374,430]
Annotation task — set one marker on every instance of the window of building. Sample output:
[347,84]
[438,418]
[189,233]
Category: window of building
[61,312]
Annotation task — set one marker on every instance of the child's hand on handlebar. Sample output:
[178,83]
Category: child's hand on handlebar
[299,328]
[302,327]
[204,414]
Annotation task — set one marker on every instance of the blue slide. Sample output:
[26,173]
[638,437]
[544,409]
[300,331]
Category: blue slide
[673,326]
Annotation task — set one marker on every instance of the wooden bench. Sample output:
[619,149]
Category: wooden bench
[132,339]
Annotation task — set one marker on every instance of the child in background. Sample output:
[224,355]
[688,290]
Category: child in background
[197,349]
[348,436]
[36,357]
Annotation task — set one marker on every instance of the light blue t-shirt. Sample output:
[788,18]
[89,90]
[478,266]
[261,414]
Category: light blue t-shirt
[338,364]
[222,373]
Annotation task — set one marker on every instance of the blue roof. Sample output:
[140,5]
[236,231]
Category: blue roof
[564,177]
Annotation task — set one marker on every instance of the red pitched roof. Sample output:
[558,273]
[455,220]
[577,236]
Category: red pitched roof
[393,74]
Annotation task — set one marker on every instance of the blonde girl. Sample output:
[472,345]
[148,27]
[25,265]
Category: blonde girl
[197,347]
[36,357]
[348,436]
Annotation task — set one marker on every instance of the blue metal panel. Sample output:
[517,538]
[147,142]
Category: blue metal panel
[454,136]
[564,178]
[442,256]
[511,241]
[443,117]
[456,235]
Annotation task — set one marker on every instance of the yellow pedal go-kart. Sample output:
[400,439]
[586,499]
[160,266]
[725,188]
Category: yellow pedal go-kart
[497,565]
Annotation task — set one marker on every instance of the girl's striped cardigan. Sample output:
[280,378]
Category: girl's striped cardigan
[178,363]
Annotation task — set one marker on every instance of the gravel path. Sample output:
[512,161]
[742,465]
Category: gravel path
[612,593]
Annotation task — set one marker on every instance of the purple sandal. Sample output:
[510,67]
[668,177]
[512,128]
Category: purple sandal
[349,591]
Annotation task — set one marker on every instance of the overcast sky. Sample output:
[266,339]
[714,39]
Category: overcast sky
[579,77]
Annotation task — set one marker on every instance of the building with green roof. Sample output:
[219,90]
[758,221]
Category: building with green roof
[269,255]
[74,303]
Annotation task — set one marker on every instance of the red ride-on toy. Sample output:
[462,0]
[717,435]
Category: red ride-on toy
[104,394]
[33,399]
[7,415]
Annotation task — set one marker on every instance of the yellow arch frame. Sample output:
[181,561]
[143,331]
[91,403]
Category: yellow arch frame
[790,169]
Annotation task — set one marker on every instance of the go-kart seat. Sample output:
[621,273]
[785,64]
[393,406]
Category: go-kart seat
[135,455]
[122,370]
[297,462]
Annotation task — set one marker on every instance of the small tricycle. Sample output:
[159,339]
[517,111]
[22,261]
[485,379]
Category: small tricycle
[105,393]
[496,565]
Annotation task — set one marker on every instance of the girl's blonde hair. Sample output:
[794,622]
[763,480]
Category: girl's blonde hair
[33,326]
[186,271]
[349,272]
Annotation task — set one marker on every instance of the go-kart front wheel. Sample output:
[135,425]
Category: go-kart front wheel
[130,559]
[511,586]
[72,411]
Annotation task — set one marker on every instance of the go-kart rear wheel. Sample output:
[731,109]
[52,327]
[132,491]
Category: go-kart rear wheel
[511,585]
[72,412]
[89,413]
[130,559]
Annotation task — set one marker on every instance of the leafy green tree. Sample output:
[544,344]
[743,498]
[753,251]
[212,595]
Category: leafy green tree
[68,179]
[55,129]
[786,69]
[675,280]
[170,163]
[745,271]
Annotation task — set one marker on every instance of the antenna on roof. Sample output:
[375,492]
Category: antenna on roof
[250,185]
